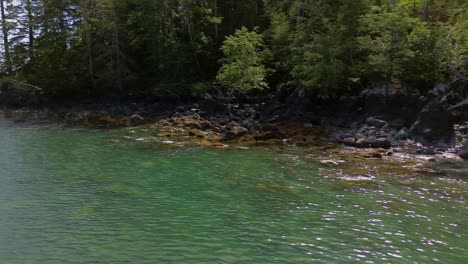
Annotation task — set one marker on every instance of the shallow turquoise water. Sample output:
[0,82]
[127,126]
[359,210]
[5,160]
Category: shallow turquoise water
[68,196]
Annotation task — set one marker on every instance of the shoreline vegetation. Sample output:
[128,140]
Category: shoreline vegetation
[366,74]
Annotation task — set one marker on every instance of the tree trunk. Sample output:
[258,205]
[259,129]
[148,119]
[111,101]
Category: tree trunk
[30,28]
[63,32]
[6,43]
[117,52]
[89,46]
[216,15]
[426,11]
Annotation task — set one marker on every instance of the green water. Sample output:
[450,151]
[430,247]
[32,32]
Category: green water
[68,196]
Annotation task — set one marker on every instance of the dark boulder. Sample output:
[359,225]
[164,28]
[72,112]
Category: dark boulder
[212,107]
[381,143]
[425,151]
[270,111]
[135,120]
[434,126]
[234,132]
[402,134]
[463,153]
[298,102]
[205,125]
[349,141]
[363,143]
[392,101]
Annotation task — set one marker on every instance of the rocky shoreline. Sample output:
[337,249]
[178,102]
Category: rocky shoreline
[381,121]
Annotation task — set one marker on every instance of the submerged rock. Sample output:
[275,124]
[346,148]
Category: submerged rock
[212,144]
[165,134]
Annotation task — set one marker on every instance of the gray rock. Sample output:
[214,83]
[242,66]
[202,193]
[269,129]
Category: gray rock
[180,109]
[463,153]
[205,125]
[339,136]
[349,141]
[135,120]
[248,123]
[426,151]
[402,134]
[235,132]
[363,143]
[381,143]
[372,121]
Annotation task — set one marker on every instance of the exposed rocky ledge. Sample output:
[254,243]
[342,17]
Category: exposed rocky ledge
[382,117]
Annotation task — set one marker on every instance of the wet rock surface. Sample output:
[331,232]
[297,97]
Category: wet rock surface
[380,118]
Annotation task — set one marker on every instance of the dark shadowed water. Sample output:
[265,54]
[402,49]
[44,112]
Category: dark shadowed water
[68,196]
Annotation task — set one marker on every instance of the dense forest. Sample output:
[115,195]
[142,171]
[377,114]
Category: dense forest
[128,47]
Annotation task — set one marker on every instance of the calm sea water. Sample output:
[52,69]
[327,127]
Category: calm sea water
[68,196]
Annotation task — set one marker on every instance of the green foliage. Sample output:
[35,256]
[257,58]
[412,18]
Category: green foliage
[198,89]
[114,47]
[317,42]
[403,47]
[242,65]
[318,66]
[459,34]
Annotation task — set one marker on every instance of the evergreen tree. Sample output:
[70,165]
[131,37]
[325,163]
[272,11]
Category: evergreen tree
[111,47]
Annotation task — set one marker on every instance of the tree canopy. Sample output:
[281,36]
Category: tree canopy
[117,47]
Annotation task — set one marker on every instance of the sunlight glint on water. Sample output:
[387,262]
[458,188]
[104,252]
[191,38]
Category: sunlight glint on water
[67,196]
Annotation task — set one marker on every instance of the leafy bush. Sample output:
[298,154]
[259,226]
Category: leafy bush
[242,66]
